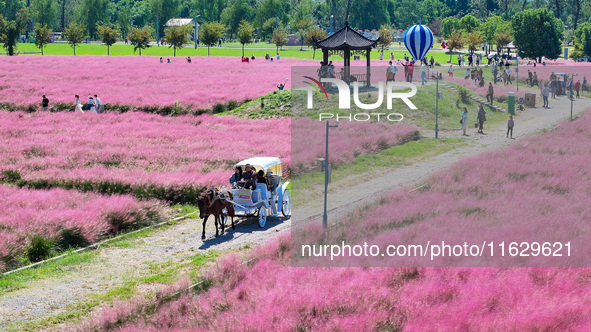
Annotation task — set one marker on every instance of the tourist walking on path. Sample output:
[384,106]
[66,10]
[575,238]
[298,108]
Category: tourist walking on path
[545,94]
[45,104]
[424,71]
[411,68]
[510,125]
[391,73]
[481,117]
[578,87]
[494,72]
[490,93]
[464,121]
[509,76]
[78,107]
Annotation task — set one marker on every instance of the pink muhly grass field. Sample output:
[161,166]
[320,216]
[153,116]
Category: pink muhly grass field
[349,140]
[140,81]
[26,213]
[140,149]
[136,148]
[537,190]
[274,296]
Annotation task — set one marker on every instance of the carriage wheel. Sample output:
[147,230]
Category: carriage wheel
[262,216]
[286,208]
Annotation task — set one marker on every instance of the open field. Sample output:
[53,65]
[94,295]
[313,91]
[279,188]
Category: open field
[396,298]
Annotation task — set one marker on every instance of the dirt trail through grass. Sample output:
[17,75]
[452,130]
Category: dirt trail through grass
[113,266]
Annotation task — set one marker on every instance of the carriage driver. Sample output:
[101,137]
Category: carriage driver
[249,178]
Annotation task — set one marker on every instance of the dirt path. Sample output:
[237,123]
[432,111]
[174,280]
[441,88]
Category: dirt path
[114,265]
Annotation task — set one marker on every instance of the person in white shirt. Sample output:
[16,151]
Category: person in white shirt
[99,106]
[391,73]
[450,71]
[78,107]
[424,72]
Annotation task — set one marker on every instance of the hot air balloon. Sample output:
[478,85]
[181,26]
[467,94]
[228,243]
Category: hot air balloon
[418,40]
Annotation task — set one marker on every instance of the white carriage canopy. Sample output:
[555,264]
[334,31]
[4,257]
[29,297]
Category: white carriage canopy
[266,164]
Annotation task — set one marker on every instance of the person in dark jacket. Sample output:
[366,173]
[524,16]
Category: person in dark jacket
[249,178]
[237,176]
[481,117]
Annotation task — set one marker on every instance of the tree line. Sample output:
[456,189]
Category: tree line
[461,22]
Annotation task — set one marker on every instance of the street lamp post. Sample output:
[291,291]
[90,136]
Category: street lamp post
[157,31]
[331,17]
[517,71]
[195,31]
[326,168]
[437,105]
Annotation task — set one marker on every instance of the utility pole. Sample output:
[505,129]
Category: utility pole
[327,170]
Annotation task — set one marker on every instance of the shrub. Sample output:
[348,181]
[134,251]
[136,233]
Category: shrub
[39,248]
[10,176]
[464,95]
[71,238]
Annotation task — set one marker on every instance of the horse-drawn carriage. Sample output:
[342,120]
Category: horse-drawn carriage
[269,199]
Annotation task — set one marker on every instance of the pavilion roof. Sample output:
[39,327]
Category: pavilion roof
[346,37]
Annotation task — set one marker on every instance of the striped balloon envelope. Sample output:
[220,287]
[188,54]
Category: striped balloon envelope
[418,40]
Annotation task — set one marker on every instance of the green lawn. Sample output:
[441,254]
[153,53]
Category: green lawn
[259,50]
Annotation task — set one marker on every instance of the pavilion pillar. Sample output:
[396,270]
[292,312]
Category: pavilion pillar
[325,56]
[368,83]
[347,63]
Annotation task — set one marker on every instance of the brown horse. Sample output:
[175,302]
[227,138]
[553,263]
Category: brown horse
[212,202]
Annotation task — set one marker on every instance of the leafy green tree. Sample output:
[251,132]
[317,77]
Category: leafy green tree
[44,12]
[92,12]
[235,13]
[469,23]
[210,10]
[270,9]
[210,33]
[10,30]
[279,38]
[435,27]
[266,31]
[449,25]
[108,36]
[583,38]
[385,37]
[503,38]
[42,36]
[10,8]
[489,28]
[302,26]
[369,14]
[176,36]
[432,9]
[74,34]
[164,10]
[312,36]
[456,42]
[537,33]
[474,40]
[140,39]
[245,32]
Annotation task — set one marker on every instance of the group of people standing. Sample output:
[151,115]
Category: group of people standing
[480,119]
[93,105]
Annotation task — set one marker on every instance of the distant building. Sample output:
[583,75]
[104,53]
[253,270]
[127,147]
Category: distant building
[177,22]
